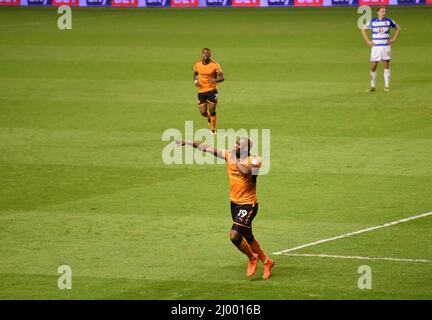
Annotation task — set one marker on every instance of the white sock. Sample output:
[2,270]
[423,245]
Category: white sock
[387,77]
[373,75]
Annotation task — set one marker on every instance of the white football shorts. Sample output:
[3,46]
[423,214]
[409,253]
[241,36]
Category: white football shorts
[380,53]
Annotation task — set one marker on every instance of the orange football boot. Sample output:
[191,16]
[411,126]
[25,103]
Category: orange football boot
[267,268]
[252,265]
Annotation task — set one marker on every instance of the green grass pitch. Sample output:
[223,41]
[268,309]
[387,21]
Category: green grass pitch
[83,184]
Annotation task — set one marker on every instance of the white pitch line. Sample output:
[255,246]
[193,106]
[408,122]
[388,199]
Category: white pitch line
[353,257]
[345,235]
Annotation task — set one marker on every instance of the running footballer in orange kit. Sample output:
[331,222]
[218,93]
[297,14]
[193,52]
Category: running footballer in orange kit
[207,73]
[242,169]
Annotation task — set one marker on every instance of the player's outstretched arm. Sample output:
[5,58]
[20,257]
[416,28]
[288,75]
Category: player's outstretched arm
[366,37]
[202,147]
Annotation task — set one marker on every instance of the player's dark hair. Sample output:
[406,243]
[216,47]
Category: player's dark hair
[249,143]
[204,49]
[379,8]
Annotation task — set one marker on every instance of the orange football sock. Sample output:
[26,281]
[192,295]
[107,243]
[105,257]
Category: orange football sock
[246,249]
[255,246]
[213,122]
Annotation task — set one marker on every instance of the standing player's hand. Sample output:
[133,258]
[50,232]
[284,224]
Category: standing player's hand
[196,82]
[390,42]
[212,80]
[370,43]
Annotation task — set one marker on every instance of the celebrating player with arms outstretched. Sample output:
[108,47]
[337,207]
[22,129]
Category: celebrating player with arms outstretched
[242,171]
[381,45]
[207,73]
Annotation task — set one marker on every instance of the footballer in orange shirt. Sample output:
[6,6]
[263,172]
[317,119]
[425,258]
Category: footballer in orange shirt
[207,73]
[242,169]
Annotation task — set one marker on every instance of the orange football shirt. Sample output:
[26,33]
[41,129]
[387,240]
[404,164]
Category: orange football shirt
[206,72]
[242,187]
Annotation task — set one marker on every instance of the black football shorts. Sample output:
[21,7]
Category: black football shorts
[209,96]
[243,214]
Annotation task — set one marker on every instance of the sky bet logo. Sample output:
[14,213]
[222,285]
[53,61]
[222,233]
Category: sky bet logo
[280,3]
[411,2]
[59,3]
[157,3]
[218,3]
[344,2]
[124,3]
[246,3]
[373,2]
[98,2]
[184,3]
[307,3]
[39,2]
[10,2]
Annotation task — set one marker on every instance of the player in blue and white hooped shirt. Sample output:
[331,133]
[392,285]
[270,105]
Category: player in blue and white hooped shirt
[381,45]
